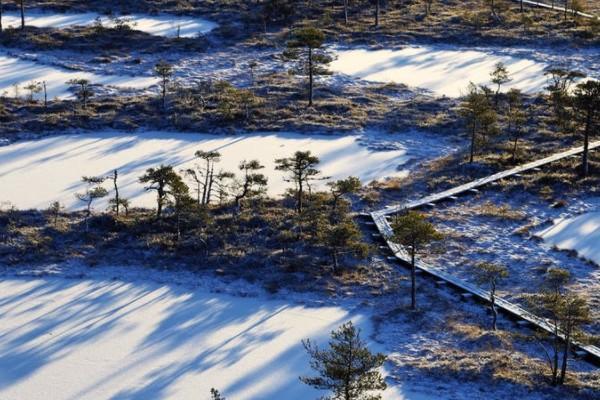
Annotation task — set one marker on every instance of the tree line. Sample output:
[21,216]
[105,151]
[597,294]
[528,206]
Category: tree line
[575,104]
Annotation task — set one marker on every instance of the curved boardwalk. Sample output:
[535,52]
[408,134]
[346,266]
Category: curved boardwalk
[400,253]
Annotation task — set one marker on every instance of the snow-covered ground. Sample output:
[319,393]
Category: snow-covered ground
[16,73]
[581,234]
[160,25]
[444,71]
[35,173]
[111,339]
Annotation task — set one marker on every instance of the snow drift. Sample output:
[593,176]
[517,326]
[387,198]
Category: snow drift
[581,234]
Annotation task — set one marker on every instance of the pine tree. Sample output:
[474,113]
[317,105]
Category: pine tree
[84,91]
[347,368]
[516,119]
[499,77]
[343,237]
[252,183]
[479,115]
[587,101]
[311,40]
[301,169]
[93,191]
[490,274]
[164,70]
[559,89]
[412,230]
[159,179]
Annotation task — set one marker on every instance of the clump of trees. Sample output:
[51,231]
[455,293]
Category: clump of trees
[480,117]
[566,312]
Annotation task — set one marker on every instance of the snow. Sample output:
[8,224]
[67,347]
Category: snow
[35,173]
[581,233]
[160,25]
[15,71]
[111,339]
[444,71]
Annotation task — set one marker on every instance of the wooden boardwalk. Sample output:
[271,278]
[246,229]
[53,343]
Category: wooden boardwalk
[383,226]
[556,7]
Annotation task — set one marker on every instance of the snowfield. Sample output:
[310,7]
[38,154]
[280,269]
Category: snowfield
[581,234]
[35,173]
[159,25]
[445,72]
[107,339]
[15,74]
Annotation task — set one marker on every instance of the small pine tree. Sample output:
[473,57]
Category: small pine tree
[216,395]
[164,70]
[587,102]
[347,368]
[301,169]
[413,231]
[490,274]
[84,91]
[311,40]
[159,179]
[94,191]
[499,77]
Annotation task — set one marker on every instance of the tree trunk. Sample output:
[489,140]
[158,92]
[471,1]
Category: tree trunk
[0,16]
[300,193]
[493,306]
[565,360]
[43,83]
[555,360]
[413,281]
[22,15]
[585,167]
[164,93]
[159,203]
[335,261]
[472,146]
[514,153]
[522,6]
[210,183]
[310,77]
[377,10]
[346,12]
[117,201]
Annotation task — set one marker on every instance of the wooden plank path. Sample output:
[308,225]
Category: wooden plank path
[485,181]
[556,7]
[400,253]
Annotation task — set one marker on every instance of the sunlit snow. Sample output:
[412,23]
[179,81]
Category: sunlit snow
[16,74]
[106,339]
[581,234]
[35,173]
[444,72]
[160,25]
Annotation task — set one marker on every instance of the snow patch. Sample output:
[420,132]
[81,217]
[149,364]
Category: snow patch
[445,72]
[35,173]
[159,25]
[102,339]
[581,234]
[16,73]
